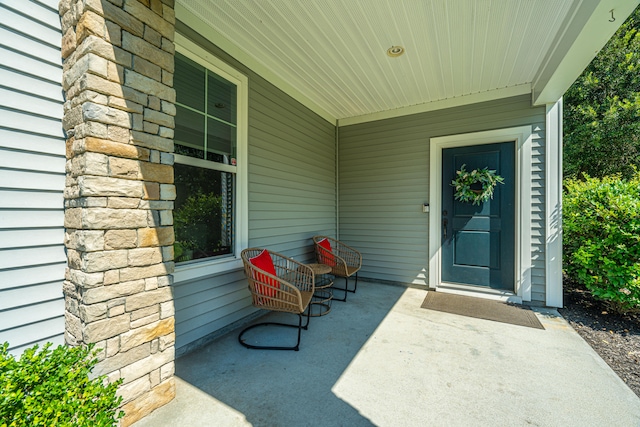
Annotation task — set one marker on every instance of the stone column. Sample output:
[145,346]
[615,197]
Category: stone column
[119,119]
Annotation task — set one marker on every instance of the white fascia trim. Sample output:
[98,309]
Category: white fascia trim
[572,53]
[198,269]
[241,56]
[474,98]
[522,136]
[553,205]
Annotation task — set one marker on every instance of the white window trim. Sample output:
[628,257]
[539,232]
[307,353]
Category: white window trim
[523,140]
[208,267]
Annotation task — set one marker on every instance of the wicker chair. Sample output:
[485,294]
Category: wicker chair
[343,260]
[289,290]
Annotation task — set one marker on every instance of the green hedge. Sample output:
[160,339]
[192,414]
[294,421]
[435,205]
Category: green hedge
[52,388]
[601,223]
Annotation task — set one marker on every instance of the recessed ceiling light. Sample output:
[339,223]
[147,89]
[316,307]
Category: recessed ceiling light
[395,51]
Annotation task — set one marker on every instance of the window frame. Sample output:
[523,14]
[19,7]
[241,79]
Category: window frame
[209,266]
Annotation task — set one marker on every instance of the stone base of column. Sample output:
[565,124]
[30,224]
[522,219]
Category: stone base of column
[143,405]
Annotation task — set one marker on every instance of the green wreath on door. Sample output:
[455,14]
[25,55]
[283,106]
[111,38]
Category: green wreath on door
[475,186]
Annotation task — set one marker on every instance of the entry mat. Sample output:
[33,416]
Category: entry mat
[482,309]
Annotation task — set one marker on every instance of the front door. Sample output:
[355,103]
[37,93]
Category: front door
[478,241]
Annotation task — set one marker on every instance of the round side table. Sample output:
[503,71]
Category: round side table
[322,296]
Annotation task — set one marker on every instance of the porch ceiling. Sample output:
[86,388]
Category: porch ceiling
[331,54]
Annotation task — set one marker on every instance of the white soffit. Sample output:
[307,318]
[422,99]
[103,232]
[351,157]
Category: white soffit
[331,54]
[588,28]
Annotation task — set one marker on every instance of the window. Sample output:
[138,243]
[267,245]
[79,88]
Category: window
[210,140]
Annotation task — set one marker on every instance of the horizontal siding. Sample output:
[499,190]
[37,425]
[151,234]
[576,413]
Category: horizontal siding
[30,218]
[28,257]
[23,83]
[206,305]
[384,180]
[291,164]
[16,297]
[32,175]
[37,332]
[42,163]
[26,140]
[28,238]
[23,121]
[292,197]
[20,199]
[21,277]
[382,187]
[30,179]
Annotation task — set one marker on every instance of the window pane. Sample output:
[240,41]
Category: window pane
[221,98]
[188,82]
[221,141]
[203,214]
[189,133]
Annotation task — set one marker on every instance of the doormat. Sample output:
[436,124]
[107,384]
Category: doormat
[480,308]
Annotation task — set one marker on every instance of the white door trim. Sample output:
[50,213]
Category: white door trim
[522,136]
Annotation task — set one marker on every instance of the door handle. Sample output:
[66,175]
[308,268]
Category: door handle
[445,222]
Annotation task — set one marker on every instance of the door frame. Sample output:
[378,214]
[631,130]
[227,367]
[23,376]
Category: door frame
[522,137]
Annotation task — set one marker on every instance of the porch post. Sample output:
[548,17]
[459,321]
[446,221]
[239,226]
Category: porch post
[553,203]
[119,119]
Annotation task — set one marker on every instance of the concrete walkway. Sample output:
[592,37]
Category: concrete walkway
[380,359]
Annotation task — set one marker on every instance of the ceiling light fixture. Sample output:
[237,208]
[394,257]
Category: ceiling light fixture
[395,51]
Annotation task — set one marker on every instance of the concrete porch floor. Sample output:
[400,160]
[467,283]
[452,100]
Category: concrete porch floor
[379,359]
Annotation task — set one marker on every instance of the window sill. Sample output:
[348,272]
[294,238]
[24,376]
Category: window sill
[194,270]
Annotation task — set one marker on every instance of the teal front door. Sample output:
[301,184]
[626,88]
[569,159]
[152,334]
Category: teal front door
[478,242]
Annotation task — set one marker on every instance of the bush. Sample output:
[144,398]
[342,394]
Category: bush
[53,388]
[196,223]
[602,238]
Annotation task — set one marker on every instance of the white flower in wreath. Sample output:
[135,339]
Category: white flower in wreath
[475,186]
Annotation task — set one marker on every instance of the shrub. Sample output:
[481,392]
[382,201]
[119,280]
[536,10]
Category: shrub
[601,222]
[197,228]
[53,388]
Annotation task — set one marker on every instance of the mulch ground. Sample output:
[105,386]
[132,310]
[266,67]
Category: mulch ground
[615,337]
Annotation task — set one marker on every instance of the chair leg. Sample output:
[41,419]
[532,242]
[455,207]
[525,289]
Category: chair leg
[295,348]
[345,290]
[306,325]
[355,286]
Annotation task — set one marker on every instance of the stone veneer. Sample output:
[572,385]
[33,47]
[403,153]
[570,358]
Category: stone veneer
[119,119]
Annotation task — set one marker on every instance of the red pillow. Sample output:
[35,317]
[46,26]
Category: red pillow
[326,257]
[264,262]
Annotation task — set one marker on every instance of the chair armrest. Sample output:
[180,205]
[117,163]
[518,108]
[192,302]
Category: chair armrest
[343,259]
[283,291]
[350,256]
[293,272]
[283,296]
